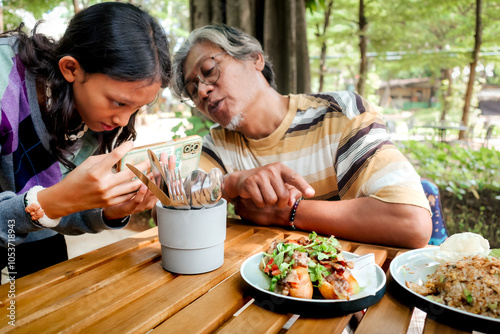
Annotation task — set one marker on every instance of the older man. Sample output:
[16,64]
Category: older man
[331,148]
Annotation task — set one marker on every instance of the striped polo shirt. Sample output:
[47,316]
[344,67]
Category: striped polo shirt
[335,140]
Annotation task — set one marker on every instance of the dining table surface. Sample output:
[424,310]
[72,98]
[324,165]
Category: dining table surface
[442,127]
[123,288]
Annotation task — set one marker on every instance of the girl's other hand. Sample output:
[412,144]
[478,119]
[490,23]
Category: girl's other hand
[93,184]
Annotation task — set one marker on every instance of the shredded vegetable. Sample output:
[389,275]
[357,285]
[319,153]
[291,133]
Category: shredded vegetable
[322,257]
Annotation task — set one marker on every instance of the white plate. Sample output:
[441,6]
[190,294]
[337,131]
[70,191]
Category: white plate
[258,283]
[415,266]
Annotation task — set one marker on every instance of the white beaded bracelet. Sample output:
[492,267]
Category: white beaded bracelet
[34,209]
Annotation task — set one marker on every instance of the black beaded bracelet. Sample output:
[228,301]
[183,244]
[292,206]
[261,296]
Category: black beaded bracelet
[292,214]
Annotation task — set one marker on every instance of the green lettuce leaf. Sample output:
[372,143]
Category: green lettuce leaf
[495,252]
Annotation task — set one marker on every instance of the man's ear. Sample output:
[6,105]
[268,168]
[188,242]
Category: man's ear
[70,68]
[259,61]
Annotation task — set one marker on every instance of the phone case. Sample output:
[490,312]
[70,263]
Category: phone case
[187,152]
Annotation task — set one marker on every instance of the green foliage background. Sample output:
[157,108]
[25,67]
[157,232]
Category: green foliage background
[469,184]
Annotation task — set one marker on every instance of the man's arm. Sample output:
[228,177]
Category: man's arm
[367,220]
[363,219]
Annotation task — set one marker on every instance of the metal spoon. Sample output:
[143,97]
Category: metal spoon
[212,188]
[194,182]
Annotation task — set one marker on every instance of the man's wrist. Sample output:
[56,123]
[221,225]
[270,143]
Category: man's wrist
[225,186]
[294,212]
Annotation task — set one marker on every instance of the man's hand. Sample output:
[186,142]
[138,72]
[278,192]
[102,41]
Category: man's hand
[271,185]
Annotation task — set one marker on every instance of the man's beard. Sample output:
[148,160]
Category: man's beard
[235,122]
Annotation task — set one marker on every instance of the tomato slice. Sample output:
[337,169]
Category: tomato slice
[269,266]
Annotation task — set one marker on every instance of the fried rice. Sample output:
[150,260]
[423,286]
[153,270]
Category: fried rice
[471,284]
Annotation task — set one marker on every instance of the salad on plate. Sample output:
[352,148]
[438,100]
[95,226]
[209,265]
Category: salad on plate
[297,267]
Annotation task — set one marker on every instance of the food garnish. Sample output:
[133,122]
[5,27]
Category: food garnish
[495,253]
[297,266]
[461,245]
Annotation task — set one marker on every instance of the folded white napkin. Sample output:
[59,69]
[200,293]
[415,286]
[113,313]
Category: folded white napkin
[365,272]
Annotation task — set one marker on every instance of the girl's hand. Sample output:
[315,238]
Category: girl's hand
[94,185]
[143,200]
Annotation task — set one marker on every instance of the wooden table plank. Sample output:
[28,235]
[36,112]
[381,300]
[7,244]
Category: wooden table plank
[310,325]
[380,254]
[392,252]
[91,308]
[237,234]
[377,316]
[389,313]
[75,266]
[255,319]
[434,327]
[167,300]
[47,300]
[211,310]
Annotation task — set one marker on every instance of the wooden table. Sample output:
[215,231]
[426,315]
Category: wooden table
[441,129]
[122,288]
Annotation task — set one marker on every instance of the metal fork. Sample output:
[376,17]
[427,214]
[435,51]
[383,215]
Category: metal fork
[176,189]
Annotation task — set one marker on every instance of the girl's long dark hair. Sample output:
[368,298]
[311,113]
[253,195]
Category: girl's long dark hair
[112,38]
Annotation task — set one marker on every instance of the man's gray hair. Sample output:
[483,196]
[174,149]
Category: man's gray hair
[235,42]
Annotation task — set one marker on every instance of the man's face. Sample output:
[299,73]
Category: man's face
[228,99]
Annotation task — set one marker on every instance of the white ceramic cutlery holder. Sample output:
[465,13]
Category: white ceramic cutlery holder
[192,241]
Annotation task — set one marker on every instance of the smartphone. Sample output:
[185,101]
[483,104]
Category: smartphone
[186,150]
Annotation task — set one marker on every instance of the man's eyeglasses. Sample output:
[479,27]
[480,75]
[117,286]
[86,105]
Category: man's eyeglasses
[208,74]
[149,105]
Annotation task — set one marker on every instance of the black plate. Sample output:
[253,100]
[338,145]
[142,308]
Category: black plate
[415,266]
[257,285]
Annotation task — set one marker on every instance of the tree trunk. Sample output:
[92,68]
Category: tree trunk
[76,6]
[278,38]
[321,34]
[385,100]
[279,25]
[241,15]
[200,13]
[322,66]
[1,16]
[446,75]
[303,77]
[363,64]
[472,75]
[431,96]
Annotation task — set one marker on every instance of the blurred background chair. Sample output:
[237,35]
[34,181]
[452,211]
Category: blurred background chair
[439,229]
[489,132]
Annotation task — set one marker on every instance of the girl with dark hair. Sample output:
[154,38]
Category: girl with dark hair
[67,116]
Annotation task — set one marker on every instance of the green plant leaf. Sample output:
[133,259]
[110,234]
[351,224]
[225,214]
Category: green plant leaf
[495,252]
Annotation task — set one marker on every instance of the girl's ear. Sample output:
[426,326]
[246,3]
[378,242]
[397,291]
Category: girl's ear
[70,68]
